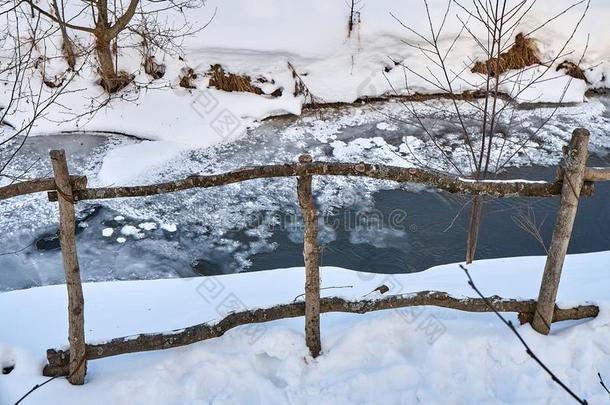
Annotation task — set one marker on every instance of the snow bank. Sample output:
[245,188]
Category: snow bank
[260,39]
[393,356]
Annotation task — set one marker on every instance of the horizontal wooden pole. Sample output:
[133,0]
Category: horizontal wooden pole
[442,181]
[597,174]
[38,185]
[58,359]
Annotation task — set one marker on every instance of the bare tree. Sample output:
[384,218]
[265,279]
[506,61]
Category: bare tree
[486,120]
[108,21]
[28,96]
[355,6]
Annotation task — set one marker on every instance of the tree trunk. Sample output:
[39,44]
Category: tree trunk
[575,161]
[67,239]
[68,49]
[311,255]
[109,79]
[476,214]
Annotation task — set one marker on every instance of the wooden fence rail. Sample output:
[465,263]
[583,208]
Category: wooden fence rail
[38,185]
[597,174]
[58,360]
[441,181]
[574,180]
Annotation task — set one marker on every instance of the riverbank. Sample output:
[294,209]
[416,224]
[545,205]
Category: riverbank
[300,55]
[470,358]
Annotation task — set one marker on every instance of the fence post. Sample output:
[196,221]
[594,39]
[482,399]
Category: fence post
[575,160]
[67,239]
[311,255]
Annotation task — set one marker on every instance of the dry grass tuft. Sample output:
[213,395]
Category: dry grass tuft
[227,81]
[523,53]
[187,78]
[572,69]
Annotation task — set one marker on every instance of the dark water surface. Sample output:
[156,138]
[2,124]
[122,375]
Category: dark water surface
[434,230]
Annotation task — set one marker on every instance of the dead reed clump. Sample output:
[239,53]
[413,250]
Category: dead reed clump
[572,69]
[523,53]
[187,78]
[227,81]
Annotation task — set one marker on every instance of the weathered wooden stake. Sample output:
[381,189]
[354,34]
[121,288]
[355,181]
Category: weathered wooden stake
[311,255]
[67,239]
[575,159]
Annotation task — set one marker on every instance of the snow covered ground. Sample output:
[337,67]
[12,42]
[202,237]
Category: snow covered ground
[389,357]
[419,355]
[260,39]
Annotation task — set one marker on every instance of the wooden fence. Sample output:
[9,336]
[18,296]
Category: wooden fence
[574,179]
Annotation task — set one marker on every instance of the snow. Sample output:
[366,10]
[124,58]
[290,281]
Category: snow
[264,37]
[598,75]
[384,126]
[169,227]
[129,230]
[148,226]
[127,163]
[428,355]
[544,85]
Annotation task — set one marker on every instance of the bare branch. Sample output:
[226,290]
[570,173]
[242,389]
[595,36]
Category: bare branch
[528,350]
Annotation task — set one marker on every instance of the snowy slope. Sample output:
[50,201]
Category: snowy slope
[313,37]
[390,357]
[260,39]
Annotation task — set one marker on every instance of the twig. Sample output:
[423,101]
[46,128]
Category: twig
[527,222]
[34,388]
[529,351]
[601,381]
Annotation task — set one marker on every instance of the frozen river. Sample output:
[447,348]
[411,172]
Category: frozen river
[367,225]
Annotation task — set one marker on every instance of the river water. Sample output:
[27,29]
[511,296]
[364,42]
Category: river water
[365,225]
